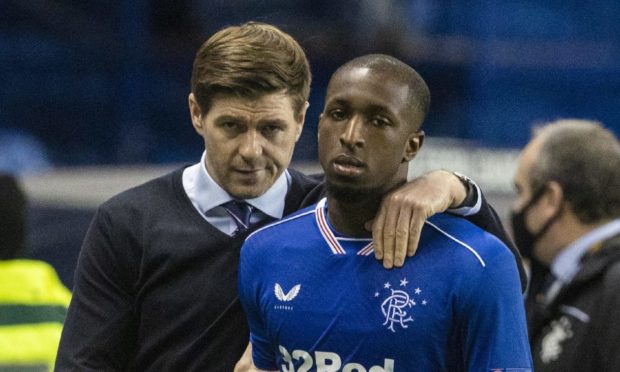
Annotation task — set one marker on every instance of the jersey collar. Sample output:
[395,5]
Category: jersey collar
[328,234]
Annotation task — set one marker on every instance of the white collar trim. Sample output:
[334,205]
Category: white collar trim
[328,234]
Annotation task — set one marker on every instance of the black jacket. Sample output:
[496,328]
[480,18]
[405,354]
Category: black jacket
[580,330]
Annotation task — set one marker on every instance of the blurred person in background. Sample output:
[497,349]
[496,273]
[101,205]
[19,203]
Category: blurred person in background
[566,219]
[33,301]
[156,281]
[22,153]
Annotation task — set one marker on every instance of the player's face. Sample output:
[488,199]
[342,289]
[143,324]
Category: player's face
[366,135]
[248,142]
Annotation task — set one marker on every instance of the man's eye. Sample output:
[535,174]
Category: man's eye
[337,115]
[379,122]
[229,124]
[271,128]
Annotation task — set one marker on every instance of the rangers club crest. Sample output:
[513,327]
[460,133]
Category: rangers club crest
[561,330]
[397,305]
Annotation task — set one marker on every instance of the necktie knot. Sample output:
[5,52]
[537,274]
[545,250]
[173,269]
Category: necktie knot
[240,212]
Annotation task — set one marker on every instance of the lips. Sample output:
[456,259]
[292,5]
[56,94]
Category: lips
[348,160]
[347,165]
[248,173]
[247,170]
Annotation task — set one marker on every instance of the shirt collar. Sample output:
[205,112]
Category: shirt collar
[201,184]
[566,265]
[325,228]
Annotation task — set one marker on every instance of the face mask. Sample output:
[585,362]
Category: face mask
[524,238]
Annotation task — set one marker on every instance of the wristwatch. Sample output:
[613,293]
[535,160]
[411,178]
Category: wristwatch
[472,195]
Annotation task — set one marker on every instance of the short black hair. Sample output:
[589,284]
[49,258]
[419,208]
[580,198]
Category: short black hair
[12,218]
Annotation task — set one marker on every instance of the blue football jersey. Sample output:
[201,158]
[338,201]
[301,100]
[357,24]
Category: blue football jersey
[316,300]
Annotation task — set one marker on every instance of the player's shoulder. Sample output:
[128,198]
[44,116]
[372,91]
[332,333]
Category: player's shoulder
[472,241]
[295,224]
[279,239]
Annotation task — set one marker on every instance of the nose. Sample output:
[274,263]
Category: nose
[251,146]
[353,135]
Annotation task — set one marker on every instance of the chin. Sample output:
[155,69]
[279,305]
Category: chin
[350,193]
[249,192]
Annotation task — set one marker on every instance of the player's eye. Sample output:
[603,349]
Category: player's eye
[337,114]
[380,122]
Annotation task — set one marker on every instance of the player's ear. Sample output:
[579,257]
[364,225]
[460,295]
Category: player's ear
[413,145]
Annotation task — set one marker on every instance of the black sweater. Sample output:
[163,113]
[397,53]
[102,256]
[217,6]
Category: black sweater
[580,330]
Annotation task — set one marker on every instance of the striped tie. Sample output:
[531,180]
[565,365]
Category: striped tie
[240,212]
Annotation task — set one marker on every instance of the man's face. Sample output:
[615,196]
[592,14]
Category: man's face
[365,135]
[522,178]
[249,142]
[538,212]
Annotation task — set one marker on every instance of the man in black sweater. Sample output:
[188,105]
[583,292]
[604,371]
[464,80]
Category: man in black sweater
[155,286]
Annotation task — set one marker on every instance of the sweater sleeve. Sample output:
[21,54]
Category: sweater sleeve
[99,331]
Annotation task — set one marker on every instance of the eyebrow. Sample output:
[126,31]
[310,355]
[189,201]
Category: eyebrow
[339,102]
[372,108]
[276,121]
[379,108]
[230,117]
[227,117]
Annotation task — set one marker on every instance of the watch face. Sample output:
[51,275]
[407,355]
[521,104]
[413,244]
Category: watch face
[468,183]
[463,178]
[471,197]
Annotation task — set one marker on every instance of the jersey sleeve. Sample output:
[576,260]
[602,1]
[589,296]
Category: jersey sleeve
[493,320]
[249,288]
[98,333]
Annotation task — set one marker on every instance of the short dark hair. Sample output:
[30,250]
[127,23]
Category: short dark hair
[12,218]
[584,158]
[250,60]
[419,94]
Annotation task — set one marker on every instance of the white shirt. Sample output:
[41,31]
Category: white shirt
[566,264]
[207,197]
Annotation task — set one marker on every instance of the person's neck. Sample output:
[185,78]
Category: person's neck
[569,230]
[348,214]
[349,217]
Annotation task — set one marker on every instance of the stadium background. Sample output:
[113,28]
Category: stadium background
[93,94]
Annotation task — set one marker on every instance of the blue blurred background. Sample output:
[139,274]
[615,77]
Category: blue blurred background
[100,82]
[93,93]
